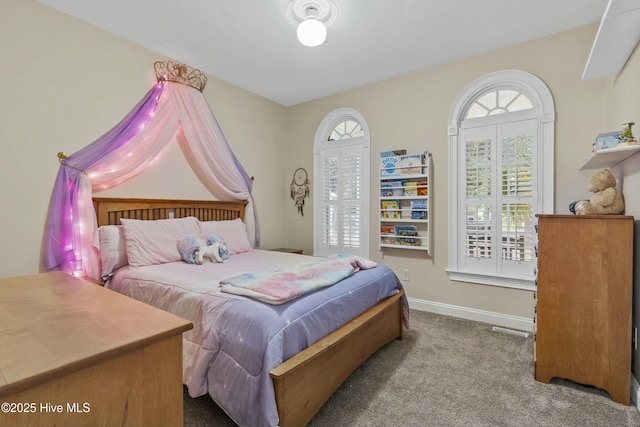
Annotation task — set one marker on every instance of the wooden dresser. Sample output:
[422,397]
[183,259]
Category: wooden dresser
[583,312]
[74,353]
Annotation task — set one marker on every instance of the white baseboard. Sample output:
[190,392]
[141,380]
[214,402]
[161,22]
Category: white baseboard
[635,391]
[498,319]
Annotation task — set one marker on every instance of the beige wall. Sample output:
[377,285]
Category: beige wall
[66,83]
[623,105]
[412,112]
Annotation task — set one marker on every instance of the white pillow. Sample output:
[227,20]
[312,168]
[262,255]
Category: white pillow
[233,233]
[113,251]
[154,242]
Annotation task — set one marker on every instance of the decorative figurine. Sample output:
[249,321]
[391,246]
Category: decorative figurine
[626,137]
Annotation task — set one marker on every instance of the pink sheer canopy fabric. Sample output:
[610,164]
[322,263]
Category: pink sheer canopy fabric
[169,110]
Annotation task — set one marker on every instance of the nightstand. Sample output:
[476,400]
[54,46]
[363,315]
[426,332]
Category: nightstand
[289,250]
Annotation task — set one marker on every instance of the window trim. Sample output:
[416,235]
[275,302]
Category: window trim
[541,97]
[321,142]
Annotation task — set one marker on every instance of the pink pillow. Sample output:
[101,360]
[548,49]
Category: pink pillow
[233,233]
[113,251]
[154,242]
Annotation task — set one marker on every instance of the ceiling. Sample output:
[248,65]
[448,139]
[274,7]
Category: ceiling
[252,44]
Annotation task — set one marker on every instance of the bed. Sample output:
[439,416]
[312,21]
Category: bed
[301,350]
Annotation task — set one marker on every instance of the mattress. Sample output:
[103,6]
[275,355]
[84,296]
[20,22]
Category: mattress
[235,340]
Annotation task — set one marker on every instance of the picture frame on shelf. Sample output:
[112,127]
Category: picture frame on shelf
[608,140]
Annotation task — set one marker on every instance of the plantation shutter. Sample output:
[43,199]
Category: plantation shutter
[518,196]
[341,197]
[352,203]
[499,198]
[478,226]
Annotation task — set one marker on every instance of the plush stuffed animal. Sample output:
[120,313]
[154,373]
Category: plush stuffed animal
[195,248]
[606,198]
[211,251]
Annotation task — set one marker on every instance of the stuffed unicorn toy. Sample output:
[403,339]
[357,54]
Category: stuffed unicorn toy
[195,248]
[212,252]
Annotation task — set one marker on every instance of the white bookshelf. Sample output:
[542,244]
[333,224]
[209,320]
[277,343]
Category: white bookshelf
[405,202]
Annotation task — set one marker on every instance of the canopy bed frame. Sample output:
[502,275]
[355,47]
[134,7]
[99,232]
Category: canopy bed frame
[304,382]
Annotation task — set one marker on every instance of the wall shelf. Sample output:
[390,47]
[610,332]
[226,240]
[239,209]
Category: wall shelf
[609,157]
[405,204]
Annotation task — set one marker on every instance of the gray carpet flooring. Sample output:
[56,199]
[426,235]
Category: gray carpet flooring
[451,372]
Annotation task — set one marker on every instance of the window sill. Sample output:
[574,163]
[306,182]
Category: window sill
[502,281]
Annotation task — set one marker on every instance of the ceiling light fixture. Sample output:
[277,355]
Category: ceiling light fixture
[312,32]
[311,17]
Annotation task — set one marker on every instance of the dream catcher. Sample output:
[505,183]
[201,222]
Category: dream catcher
[300,188]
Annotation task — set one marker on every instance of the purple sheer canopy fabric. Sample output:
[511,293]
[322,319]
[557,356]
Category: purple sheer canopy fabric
[168,110]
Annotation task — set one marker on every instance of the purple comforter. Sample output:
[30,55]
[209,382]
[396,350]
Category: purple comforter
[236,340]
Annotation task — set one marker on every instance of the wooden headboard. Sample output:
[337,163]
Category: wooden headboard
[110,210]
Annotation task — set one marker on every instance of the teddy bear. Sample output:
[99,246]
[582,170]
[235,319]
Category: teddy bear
[605,199]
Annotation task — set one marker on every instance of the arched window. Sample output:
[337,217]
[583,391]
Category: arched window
[346,128]
[497,102]
[341,184]
[501,176]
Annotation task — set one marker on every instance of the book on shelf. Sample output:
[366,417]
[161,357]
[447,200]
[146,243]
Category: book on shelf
[411,188]
[391,188]
[389,162]
[411,164]
[387,233]
[386,188]
[416,188]
[408,241]
[390,209]
[423,188]
[387,229]
[398,229]
[405,234]
[389,166]
[393,153]
[419,209]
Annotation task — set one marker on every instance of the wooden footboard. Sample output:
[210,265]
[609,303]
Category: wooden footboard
[305,382]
